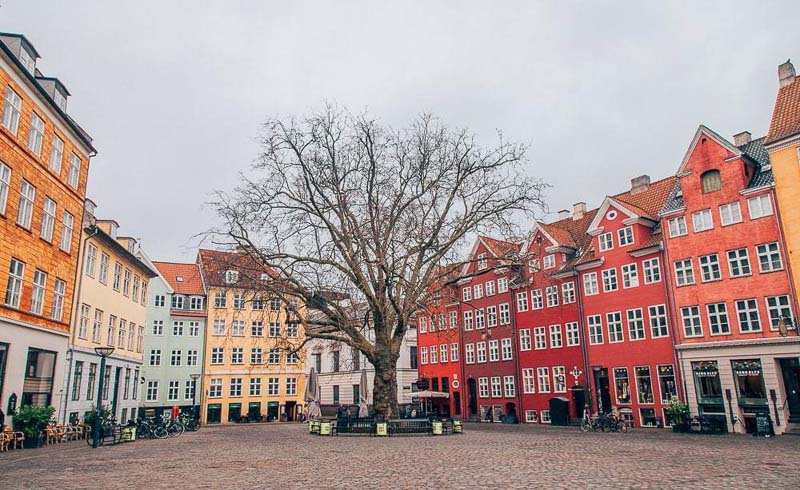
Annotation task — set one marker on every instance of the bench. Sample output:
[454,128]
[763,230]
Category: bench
[410,426]
[354,425]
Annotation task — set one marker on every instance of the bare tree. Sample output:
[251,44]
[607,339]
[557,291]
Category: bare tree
[339,205]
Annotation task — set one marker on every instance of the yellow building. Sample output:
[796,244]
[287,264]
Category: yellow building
[251,370]
[783,145]
[110,310]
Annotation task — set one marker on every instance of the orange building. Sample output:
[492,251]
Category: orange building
[44,162]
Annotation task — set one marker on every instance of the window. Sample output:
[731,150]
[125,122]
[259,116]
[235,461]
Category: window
[275,304]
[466,294]
[568,292]
[540,338]
[747,311]
[502,285]
[258,303]
[76,381]
[759,206]
[174,389]
[730,214]
[718,319]
[217,355]
[175,358]
[769,257]
[490,289]
[478,291]
[494,351]
[556,340]
[274,357]
[189,390]
[606,241]
[590,283]
[11,110]
[117,276]
[692,324]
[237,328]
[56,154]
[779,309]
[274,329]
[5,183]
[257,328]
[739,262]
[481,351]
[237,355]
[177,328]
[528,385]
[273,386]
[482,263]
[121,334]
[610,280]
[14,285]
[27,194]
[432,323]
[560,379]
[98,322]
[103,277]
[595,323]
[573,335]
[549,261]
[48,220]
[709,268]
[291,386]
[537,303]
[491,316]
[454,352]
[152,390]
[231,277]
[434,350]
[508,387]
[220,299]
[635,324]
[195,302]
[255,386]
[625,236]
[622,387]
[36,134]
[505,316]
[235,389]
[543,375]
[74,171]
[215,388]
[677,227]
[710,181]
[92,377]
[522,301]
[525,339]
[238,301]
[66,232]
[155,357]
[658,321]
[443,353]
[256,356]
[506,349]
[194,329]
[614,321]
[684,272]
[83,326]
[37,296]
[652,271]
[479,319]
[218,328]
[630,276]
[552,296]
[453,319]
[644,384]
[422,323]
[497,391]
[483,387]
[702,220]
[469,353]
[191,358]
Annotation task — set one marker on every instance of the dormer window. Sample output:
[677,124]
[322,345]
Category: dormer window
[27,61]
[264,276]
[549,261]
[606,241]
[231,277]
[482,263]
[178,278]
[711,181]
[60,100]
[177,302]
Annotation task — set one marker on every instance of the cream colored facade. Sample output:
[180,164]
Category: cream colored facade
[241,376]
[110,310]
[785,159]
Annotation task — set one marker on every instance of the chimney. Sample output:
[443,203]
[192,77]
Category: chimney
[786,73]
[742,138]
[640,184]
[578,210]
[563,214]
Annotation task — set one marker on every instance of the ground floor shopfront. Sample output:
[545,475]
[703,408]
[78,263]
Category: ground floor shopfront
[739,382]
[254,397]
[122,390]
[31,365]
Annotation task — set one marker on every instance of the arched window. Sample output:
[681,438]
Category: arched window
[711,181]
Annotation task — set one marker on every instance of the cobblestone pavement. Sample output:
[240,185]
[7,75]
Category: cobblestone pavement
[486,456]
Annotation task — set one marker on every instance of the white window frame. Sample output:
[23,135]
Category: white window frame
[677,227]
[702,220]
[730,214]
[625,236]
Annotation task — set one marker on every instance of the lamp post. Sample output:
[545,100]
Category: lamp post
[103,352]
[195,377]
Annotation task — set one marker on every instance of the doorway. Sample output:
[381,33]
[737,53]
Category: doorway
[601,384]
[578,401]
[290,411]
[115,393]
[457,404]
[791,383]
[472,386]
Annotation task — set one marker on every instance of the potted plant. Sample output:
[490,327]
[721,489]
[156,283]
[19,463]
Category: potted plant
[32,420]
[678,415]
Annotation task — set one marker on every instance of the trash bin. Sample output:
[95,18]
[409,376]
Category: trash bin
[325,428]
[457,427]
[436,427]
[129,434]
[381,429]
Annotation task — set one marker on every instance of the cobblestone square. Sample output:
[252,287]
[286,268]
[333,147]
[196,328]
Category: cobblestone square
[486,456]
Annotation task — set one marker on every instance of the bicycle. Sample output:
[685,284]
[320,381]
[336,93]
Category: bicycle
[174,427]
[189,422]
[108,429]
[148,429]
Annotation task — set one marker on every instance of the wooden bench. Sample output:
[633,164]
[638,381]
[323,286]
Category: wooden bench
[410,426]
[353,425]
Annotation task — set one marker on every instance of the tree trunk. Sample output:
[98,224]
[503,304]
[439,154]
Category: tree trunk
[384,388]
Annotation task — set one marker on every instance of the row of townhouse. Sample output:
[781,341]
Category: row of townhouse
[683,287]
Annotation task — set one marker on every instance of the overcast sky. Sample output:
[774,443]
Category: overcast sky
[174,92]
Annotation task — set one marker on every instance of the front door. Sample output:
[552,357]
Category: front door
[115,393]
[791,383]
[456,404]
[472,386]
[601,384]
[290,411]
[578,401]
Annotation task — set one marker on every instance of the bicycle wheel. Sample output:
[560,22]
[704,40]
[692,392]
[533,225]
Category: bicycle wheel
[175,429]
[624,427]
[160,432]
[586,425]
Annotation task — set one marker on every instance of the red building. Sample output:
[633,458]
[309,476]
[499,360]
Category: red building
[548,319]
[730,282]
[625,307]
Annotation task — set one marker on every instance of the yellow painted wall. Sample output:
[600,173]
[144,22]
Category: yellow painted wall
[246,370]
[786,169]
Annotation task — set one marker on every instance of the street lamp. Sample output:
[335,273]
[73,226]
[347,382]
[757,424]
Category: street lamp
[103,352]
[195,377]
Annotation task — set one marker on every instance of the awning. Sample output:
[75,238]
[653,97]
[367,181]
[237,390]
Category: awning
[430,394]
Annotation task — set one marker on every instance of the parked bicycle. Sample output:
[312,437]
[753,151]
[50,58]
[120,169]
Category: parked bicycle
[189,422]
[150,429]
[611,422]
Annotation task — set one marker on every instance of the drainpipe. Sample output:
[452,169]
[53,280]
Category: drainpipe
[584,343]
[514,340]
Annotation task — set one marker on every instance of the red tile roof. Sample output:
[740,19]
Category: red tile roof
[786,114]
[571,232]
[214,263]
[191,281]
[500,248]
[649,202]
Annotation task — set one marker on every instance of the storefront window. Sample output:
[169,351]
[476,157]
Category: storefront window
[666,379]
[648,417]
[644,384]
[622,385]
[749,382]
[39,372]
[707,383]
